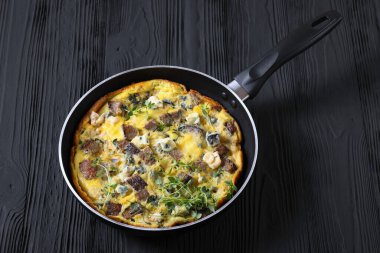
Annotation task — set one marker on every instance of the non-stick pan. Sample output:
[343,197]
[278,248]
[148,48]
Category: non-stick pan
[245,85]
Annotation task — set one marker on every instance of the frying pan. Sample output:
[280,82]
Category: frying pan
[245,85]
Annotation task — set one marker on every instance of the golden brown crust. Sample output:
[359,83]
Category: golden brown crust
[102,101]
[98,104]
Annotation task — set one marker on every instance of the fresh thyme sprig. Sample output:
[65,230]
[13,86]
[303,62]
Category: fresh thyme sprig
[195,199]
[109,187]
[103,169]
[181,164]
[128,113]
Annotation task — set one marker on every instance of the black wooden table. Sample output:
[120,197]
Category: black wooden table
[316,187]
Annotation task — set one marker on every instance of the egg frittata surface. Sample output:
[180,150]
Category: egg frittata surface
[153,154]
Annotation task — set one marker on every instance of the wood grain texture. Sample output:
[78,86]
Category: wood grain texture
[316,187]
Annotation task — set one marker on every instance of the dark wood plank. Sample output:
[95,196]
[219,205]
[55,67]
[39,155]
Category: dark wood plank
[54,54]
[316,186]
[315,168]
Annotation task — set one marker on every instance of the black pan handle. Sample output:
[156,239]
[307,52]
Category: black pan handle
[253,78]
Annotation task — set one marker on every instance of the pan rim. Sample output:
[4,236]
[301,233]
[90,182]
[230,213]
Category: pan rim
[240,190]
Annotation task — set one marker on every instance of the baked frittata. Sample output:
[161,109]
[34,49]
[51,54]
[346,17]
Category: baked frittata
[153,154]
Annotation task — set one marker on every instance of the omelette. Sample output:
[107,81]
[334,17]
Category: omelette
[153,154]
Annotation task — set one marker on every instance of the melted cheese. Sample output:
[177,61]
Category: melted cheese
[111,131]
[191,146]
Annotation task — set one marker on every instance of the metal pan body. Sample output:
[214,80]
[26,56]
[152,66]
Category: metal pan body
[192,79]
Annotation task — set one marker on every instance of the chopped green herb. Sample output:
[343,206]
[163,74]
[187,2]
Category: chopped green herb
[180,164]
[149,105]
[160,127]
[96,162]
[205,111]
[109,188]
[112,169]
[231,189]
[217,173]
[129,113]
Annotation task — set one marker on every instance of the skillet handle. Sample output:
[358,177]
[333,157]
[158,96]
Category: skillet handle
[253,78]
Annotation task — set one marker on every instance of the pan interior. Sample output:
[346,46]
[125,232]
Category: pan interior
[192,80]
